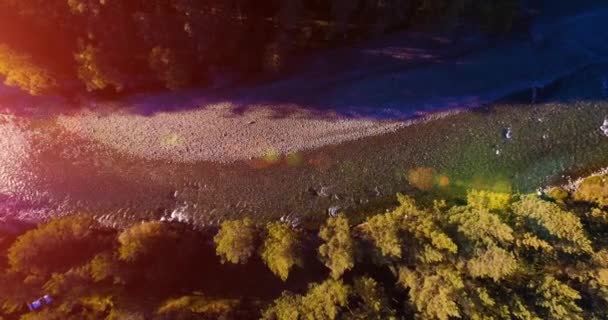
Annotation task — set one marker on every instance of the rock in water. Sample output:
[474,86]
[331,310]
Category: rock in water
[604,127]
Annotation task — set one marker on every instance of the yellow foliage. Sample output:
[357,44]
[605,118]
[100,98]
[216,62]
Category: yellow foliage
[383,229]
[564,225]
[337,253]
[197,305]
[235,242]
[481,226]
[593,189]
[599,216]
[434,292]
[143,239]
[494,263]
[488,199]
[531,241]
[558,194]
[96,73]
[558,299]
[18,70]
[280,250]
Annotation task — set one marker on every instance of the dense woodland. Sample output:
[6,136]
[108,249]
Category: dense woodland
[108,46]
[495,256]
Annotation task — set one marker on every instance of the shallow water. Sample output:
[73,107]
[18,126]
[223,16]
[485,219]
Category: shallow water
[46,171]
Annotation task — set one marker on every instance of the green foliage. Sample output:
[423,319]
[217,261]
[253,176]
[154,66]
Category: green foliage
[280,250]
[236,241]
[19,70]
[56,246]
[337,253]
[593,189]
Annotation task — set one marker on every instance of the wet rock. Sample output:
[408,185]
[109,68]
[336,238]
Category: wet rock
[507,133]
[324,192]
[333,211]
[604,127]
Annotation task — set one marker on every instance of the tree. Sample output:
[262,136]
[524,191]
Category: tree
[42,251]
[190,307]
[337,253]
[593,189]
[383,230]
[145,239]
[236,241]
[494,263]
[95,71]
[558,299]
[372,303]
[488,200]
[563,226]
[286,307]
[480,226]
[434,292]
[323,301]
[170,69]
[280,250]
[19,70]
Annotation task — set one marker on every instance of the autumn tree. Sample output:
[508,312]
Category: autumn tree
[593,189]
[236,241]
[370,301]
[337,253]
[58,245]
[199,307]
[19,70]
[281,250]
[322,301]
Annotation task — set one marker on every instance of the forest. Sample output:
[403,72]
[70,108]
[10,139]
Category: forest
[491,256]
[103,46]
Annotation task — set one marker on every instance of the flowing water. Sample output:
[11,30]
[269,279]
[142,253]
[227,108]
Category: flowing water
[46,170]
